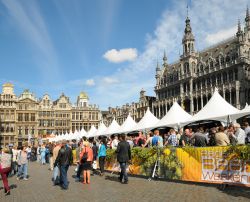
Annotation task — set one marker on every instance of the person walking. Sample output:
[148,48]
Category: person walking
[56,168]
[102,156]
[14,160]
[64,160]
[78,161]
[43,154]
[23,164]
[51,161]
[86,159]
[38,153]
[5,168]
[123,157]
[95,154]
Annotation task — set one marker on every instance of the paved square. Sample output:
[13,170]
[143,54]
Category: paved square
[107,188]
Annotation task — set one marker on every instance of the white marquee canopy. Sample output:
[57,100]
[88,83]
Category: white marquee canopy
[217,109]
[91,131]
[100,130]
[111,129]
[147,121]
[127,126]
[174,117]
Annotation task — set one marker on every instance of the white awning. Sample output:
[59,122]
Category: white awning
[147,121]
[174,117]
[100,130]
[217,109]
[111,129]
[127,126]
[91,131]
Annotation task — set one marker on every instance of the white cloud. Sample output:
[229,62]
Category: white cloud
[122,55]
[109,80]
[90,82]
[220,35]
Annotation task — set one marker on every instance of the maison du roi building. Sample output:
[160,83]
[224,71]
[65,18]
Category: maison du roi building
[192,79]
[24,116]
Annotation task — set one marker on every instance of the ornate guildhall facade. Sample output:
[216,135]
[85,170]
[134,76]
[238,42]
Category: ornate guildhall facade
[192,79]
[26,118]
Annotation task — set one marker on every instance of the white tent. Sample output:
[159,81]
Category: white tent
[217,109]
[127,126]
[83,133]
[147,121]
[241,113]
[91,131]
[100,130]
[174,117]
[111,129]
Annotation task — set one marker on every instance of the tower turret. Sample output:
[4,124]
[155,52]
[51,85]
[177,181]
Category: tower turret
[247,20]
[239,32]
[188,39]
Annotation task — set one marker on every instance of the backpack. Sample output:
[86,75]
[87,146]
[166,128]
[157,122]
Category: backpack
[247,138]
[84,157]
[155,141]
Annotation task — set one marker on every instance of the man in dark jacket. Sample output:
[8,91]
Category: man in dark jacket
[64,160]
[123,157]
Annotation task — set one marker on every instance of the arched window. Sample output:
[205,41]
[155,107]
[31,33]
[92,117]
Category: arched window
[201,68]
[227,59]
[224,77]
[211,64]
[236,74]
[222,60]
[219,79]
[186,68]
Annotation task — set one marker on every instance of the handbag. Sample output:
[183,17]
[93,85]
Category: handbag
[94,165]
[84,157]
[5,160]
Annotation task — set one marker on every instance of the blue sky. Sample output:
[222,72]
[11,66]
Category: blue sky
[107,48]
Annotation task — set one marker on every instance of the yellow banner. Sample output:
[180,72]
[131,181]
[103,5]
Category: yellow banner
[213,165]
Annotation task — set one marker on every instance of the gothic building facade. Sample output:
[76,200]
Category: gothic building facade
[192,79]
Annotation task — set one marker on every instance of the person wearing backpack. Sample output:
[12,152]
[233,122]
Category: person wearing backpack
[157,140]
[86,157]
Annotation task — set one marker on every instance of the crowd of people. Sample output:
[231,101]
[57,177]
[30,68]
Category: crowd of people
[85,153]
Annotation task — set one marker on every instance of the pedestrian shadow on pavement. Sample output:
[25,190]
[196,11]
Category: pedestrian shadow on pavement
[235,191]
[13,186]
[113,178]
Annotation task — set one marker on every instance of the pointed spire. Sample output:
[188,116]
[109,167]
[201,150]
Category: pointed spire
[239,26]
[247,20]
[158,66]
[247,15]
[164,58]
[239,32]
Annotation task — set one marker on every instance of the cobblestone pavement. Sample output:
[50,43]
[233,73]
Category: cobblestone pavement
[107,188]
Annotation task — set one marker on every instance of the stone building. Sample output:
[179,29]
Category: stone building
[26,118]
[136,110]
[192,79]
[46,116]
[62,114]
[84,115]
[8,115]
